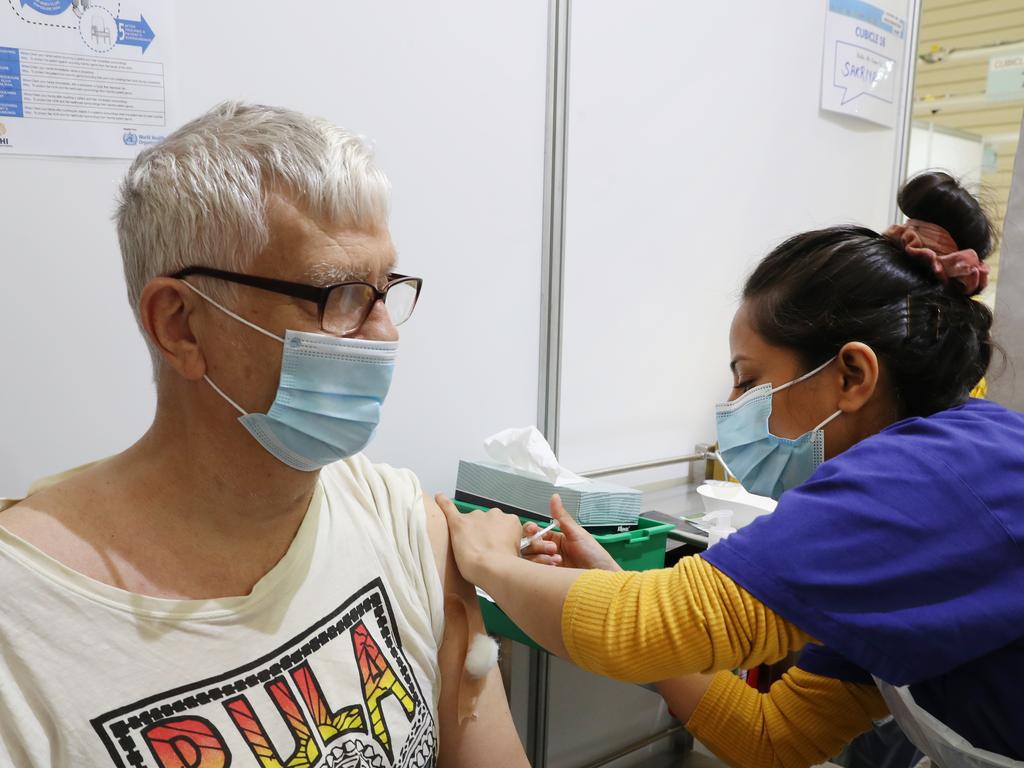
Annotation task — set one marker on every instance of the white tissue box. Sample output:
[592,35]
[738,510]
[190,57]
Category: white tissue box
[591,502]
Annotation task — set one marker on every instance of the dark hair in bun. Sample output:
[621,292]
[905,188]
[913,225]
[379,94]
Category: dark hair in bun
[938,198]
[820,290]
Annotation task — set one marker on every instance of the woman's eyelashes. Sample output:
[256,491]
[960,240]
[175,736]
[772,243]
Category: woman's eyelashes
[744,382]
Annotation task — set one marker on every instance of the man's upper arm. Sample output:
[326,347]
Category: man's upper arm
[488,738]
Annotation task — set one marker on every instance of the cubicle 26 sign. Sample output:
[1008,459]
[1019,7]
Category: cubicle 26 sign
[273,712]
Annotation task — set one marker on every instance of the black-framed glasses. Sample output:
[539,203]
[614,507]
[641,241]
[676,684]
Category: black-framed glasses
[343,307]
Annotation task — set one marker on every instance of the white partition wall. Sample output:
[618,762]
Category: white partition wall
[75,377]
[452,94]
[695,144]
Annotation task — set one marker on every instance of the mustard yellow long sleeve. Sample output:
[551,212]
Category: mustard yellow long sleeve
[655,625]
[804,720]
[652,625]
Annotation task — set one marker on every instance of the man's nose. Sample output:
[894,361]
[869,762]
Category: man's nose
[378,325]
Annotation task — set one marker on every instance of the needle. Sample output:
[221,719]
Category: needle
[528,540]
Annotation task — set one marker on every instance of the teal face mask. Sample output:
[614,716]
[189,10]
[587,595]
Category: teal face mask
[766,464]
[329,396]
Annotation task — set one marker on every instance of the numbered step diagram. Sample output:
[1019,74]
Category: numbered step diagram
[87,78]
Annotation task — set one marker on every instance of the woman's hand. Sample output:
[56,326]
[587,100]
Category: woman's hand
[480,539]
[486,547]
[571,546]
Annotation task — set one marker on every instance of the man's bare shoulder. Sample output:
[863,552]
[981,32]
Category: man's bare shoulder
[55,496]
[24,517]
[62,519]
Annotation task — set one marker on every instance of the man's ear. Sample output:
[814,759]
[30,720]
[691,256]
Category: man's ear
[166,308]
[858,366]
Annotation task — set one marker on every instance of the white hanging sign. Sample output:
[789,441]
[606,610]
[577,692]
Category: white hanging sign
[863,61]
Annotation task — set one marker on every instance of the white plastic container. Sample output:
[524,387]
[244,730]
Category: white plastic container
[720,526]
[722,496]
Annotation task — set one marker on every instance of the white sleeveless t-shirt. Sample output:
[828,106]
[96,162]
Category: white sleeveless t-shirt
[330,661]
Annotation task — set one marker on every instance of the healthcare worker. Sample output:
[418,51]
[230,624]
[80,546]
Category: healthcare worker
[896,553]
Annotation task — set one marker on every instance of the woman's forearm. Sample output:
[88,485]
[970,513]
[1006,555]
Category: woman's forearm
[533,596]
[639,627]
[804,720]
[655,625]
[683,693]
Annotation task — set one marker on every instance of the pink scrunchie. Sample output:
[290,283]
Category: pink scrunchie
[933,245]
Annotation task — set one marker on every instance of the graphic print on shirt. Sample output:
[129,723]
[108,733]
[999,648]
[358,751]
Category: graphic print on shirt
[284,711]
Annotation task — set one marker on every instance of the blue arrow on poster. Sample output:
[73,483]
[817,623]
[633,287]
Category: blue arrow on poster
[135,33]
[49,7]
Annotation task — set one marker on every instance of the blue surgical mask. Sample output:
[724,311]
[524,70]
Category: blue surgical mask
[766,464]
[328,400]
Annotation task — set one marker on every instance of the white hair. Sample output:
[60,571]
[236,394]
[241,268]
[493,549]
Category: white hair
[199,197]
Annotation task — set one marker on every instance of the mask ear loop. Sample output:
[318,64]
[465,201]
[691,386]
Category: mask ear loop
[827,421]
[807,375]
[229,313]
[240,319]
[221,392]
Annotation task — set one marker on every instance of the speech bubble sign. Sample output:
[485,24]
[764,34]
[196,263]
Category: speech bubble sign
[860,71]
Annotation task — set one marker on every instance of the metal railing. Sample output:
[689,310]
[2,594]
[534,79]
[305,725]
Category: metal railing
[654,464]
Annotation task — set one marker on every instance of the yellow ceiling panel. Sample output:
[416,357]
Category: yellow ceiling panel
[965,121]
[930,5]
[991,30]
[960,24]
[961,11]
[946,78]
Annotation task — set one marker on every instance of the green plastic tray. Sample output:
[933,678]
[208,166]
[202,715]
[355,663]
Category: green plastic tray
[641,549]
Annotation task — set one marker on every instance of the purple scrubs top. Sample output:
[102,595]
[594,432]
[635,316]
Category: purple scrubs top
[904,557]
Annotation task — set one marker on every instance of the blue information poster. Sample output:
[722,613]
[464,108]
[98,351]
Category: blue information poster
[86,78]
[862,72]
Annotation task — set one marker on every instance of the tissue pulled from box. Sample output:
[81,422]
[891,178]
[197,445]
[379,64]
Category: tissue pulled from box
[525,449]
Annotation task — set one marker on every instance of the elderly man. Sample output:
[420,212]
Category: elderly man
[248,590]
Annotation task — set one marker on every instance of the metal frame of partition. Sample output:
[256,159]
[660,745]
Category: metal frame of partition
[552,271]
[553,247]
[907,113]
